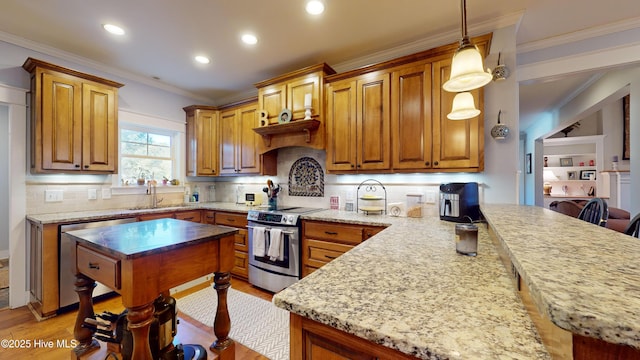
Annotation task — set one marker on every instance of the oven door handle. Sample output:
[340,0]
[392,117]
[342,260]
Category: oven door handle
[269,229]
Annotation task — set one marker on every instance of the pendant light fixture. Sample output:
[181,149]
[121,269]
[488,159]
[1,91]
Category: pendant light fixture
[463,108]
[467,72]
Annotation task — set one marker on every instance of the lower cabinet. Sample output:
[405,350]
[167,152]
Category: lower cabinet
[241,243]
[315,341]
[324,241]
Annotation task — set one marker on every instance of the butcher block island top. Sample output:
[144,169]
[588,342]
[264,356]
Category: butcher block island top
[407,289]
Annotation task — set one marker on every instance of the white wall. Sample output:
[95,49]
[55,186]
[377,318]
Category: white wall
[4,181]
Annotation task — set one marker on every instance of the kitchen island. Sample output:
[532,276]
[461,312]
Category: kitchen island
[407,289]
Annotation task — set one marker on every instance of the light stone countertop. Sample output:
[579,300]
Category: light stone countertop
[97,215]
[585,278]
[407,288]
[438,304]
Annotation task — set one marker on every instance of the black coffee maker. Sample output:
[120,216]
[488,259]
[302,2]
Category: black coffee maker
[459,202]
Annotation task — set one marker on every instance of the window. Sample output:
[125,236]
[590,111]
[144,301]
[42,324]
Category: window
[145,154]
[149,145]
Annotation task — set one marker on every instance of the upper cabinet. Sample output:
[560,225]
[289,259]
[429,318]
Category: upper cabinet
[411,117]
[239,143]
[392,117]
[221,141]
[288,92]
[202,140]
[358,126]
[458,145]
[74,120]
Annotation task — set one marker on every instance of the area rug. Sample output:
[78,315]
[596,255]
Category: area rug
[255,323]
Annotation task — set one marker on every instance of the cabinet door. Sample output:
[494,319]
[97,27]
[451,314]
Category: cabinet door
[207,142]
[297,89]
[273,99]
[100,128]
[228,124]
[411,117]
[59,133]
[341,126]
[248,158]
[373,133]
[457,144]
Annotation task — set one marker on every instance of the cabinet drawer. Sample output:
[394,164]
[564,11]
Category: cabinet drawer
[99,267]
[241,241]
[342,233]
[147,217]
[241,264]
[231,219]
[319,253]
[194,216]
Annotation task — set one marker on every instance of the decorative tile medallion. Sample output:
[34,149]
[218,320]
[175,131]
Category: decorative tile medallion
[306,178]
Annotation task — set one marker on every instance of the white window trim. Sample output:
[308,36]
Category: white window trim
[148,122]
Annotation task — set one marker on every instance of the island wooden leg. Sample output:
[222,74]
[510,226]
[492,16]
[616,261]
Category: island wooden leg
[223,346]
[86,344]
[139,320]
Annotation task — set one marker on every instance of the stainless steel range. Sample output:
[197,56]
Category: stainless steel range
[274,246]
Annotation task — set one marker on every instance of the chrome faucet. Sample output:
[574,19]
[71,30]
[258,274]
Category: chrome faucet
[151,190]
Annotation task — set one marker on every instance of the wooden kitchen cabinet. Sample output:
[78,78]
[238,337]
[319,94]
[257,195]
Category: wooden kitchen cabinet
[324,241]
[202,140]
[239,143]
[457,144]
[191,215]
[358,124]
[311,340]
[74,120]
[288,92]
[411,117]
[155,216]
[241,240]
[43,269]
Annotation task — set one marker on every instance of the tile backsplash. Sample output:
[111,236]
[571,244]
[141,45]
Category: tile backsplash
[233,189]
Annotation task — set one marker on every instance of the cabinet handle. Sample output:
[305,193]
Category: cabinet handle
[86,166]
[94,266]
[188,218]
[330,257]
[331,233]
[435,163]
[231,220]
[426,163]
[358,165]
[76,166]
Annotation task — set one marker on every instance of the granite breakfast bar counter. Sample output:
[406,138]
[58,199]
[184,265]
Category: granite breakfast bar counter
[408,290]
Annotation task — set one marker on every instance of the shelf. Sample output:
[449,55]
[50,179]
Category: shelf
[305,126]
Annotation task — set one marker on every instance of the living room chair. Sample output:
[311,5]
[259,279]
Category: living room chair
[595,211]
[633,228]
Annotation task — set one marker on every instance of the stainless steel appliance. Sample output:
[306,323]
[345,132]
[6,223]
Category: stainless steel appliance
[275,273]
[459,202]
[68,296]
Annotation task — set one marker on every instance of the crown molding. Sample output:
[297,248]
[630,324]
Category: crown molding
[585,34]
[51,51]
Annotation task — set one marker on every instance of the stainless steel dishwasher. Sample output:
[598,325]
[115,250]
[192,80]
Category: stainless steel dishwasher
[68,295]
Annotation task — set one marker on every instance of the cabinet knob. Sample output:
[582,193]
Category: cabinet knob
[86,166]
[358,165]
[76,166]
[352,165]
[435,163]
[426,163]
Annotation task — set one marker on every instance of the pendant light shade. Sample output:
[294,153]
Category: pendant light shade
[467,70]
[463,107]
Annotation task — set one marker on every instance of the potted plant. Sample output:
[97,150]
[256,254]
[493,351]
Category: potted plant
[142,176]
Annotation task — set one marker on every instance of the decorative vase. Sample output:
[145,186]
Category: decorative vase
[273,203]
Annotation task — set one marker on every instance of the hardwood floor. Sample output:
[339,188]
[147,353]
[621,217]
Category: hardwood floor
[20,324]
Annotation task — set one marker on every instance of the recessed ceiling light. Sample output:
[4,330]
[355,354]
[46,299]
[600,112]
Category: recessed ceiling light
[249,39]
[315,7]
[116,30]
[202,59]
